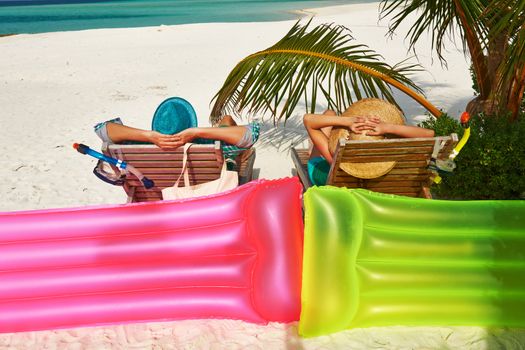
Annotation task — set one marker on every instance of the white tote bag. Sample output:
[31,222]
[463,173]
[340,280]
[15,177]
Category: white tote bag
[227,181]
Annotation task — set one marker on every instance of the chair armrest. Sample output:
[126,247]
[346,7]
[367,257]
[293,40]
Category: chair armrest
[245,162]
[299,157]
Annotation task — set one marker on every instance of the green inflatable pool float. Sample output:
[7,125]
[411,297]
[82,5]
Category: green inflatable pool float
[380,260]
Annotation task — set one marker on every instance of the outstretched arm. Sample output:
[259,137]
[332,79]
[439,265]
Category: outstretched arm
[319,126]
[231,134]
[119,133]
[408,131]
[376,127]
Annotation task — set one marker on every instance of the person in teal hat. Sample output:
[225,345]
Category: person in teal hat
[235,138]
[174,123]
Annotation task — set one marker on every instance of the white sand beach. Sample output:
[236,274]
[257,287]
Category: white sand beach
[56,86]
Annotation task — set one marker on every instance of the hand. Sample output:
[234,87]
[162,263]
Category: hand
[187,135]
[356,124]
[164,141]
[372,126]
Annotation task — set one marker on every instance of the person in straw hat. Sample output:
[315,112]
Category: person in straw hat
[367,119]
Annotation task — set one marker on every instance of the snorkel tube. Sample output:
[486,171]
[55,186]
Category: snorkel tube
[81,148]
[464,119]
[448,165]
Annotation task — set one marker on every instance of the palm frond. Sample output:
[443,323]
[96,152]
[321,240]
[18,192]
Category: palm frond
[305,65]
[440,19]
[492,30]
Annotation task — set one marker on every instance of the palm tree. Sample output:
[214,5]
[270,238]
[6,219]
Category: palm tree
[492,31]
[306,64]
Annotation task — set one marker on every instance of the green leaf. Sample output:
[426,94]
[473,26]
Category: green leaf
[305,63]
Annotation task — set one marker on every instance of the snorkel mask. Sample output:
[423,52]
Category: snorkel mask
[81,148]
[447,166]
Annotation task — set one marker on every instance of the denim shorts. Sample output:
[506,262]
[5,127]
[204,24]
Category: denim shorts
[102,131]
[249,138]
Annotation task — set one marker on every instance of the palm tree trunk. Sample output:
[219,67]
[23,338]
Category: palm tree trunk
[516,93]
[479,61]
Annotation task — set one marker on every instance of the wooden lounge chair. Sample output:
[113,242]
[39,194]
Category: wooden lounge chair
[164,166]
[409,177]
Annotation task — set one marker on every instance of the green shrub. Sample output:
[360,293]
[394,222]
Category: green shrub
[492,163]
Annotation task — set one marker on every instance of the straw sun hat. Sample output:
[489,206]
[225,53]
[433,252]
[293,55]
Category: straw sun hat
[368,107]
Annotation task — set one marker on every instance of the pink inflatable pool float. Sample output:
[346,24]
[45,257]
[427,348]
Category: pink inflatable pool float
[236,255]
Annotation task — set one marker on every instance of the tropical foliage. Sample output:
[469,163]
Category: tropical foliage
[307,64]
[492,163]
[493,32]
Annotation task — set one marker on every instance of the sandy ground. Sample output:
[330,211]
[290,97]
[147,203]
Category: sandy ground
[56,86]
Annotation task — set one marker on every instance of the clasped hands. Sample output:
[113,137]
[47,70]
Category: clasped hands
[172,141]
[370,126]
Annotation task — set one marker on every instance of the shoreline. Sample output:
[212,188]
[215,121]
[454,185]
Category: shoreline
[300,13]
[344,8]
[88,15]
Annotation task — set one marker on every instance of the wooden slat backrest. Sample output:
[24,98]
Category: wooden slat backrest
[164,166]
[410,174]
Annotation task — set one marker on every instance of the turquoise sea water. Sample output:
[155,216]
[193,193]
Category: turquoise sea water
[38,16]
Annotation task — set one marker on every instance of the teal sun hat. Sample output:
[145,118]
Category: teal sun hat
[174,115]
